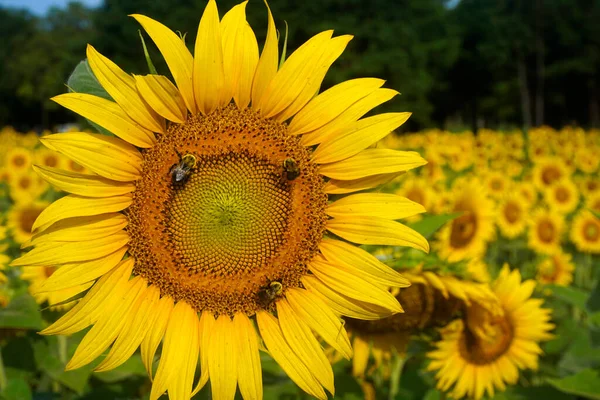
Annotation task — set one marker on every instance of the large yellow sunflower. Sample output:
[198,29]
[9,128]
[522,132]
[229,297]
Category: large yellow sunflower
[585,232]
[484,351]
[206,223]
[467,235]
[545,231]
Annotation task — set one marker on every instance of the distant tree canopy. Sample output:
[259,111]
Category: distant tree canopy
[504,63]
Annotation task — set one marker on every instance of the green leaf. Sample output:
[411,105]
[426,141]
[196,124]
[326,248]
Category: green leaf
[16,389]
[430,224]
[580,354]
[22,313]
[83,80]
[585,383]
[574,296]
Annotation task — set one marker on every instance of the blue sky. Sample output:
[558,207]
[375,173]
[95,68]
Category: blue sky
[39,7]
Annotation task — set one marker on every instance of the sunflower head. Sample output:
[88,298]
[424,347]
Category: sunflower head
[556,269]
[512,215]
[585,232]
[545,231]
[562,196]
[484,351]
[206,221]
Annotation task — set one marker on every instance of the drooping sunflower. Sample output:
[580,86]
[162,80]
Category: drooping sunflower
[562,196]
[556,269]
[545,231]
[484,351]
[431,300]
[21,217]
[512,215]
[585,232]
[221,211]
[467,235]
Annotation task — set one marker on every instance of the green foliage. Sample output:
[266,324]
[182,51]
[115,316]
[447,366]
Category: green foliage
[585,383]
[430,224]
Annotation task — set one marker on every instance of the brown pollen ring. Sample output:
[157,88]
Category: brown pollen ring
[236,223]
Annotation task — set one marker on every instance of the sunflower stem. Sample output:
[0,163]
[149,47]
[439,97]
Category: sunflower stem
[396,374]
[3,381]
[62,348]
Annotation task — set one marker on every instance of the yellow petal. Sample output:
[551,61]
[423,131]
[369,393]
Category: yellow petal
[321,319]
[107,328]
[222,359]
[179,355]
[83,184]
[343,281]
[77,206]
[206,327]
[294,77]
[333,50]
[107,156]
[354,258]
[372,162]
[334,186]
[69,275]
[83,228]
[344,305]
[240,54]
[346,119]
[121,87]
[302,342]
[381,205]
[358,137]
[135,329]
[157,326]
[108,115]
[209,76]
[379,231]
[285,356]
[331,103]
[267,64]
[176,54]
[162,96]
[249,371]
[64,252]
[90,307]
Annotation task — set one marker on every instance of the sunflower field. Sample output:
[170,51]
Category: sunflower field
[229,230]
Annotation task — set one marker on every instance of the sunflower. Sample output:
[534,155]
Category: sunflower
[4,258]
[592,202]
[545,231]
[587,160]
[222,211]
[18,160]
[497,184]
[548,170]
[556,269]
[528,192]
[585,232]
[431,300]
[512,215]
[484,351]
[26,187]
[589,185]
[467,235]
[20,219]
[417,190]
[562,196]
[48,158]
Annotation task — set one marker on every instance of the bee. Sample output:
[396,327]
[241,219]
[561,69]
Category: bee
[181,171]
[290,167]
[268,293]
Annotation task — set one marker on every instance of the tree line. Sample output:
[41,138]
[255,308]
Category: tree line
[475,63]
